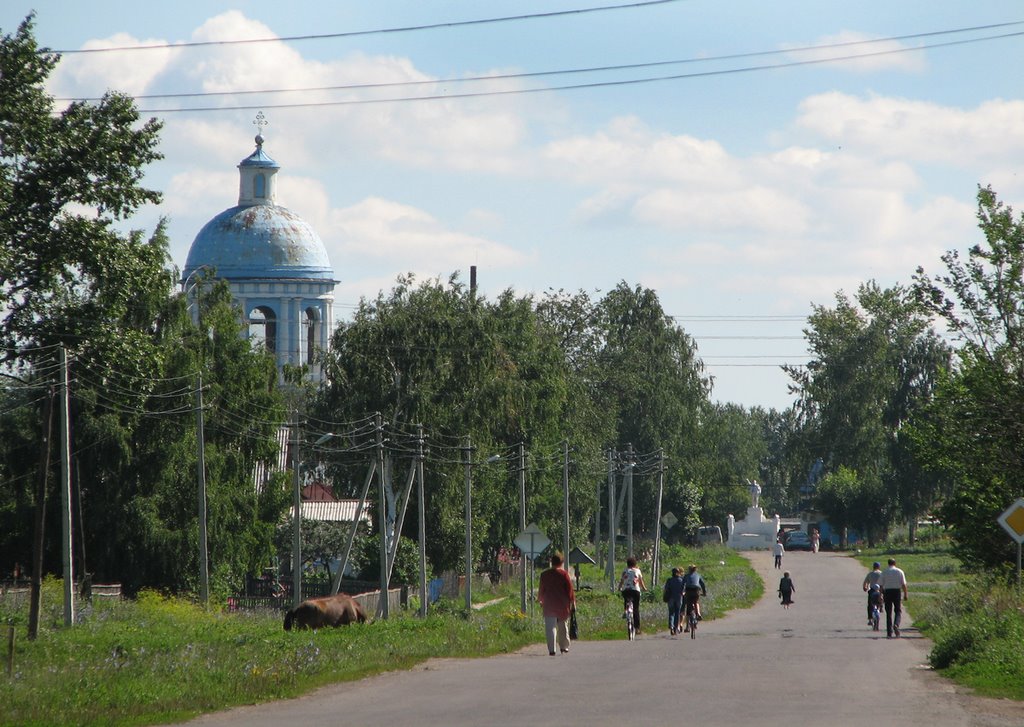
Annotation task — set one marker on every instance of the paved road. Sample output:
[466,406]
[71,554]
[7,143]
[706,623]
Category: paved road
[815,663]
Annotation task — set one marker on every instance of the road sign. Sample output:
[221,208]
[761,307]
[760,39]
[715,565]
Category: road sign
[1013,520]
[532,541]
[668,520]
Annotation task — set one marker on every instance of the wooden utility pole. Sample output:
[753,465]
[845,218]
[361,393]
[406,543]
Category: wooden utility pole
[40,519]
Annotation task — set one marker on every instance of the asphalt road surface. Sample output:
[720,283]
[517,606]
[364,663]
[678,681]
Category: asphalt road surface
[816,663]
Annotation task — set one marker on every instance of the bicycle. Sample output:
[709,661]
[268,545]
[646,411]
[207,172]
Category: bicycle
[691,619]
[630,627]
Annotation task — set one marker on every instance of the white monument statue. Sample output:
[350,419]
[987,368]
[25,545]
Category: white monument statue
[755,493]
[730,524]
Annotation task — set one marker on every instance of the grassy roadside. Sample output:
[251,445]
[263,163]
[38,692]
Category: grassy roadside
[975,621]
[157,660]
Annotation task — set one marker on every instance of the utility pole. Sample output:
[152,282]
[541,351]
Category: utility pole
[565,501]
[204,558]
[612,518]
[656,564]
[629,501]
[597,528]
[467,451]
[296,514]
[356,519]
[40,520]
[522,525]
[421,500]
[383,608]
[65,490]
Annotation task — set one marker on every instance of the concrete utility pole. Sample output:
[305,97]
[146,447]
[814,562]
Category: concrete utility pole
[382,519]
[597,528]
[65,490]
[629,501]
[565,501]
[612,517]
[467,451]
[204,561]
[296,516]
[522,525]
[356,519]
[421,503]
[656,564]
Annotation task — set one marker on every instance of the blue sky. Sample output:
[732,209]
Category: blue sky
[741,197]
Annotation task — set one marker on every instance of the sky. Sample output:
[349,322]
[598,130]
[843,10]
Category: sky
[731,167]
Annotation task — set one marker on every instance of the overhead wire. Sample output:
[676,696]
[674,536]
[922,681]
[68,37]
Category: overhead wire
[564,71]
[378,31]
[579,86]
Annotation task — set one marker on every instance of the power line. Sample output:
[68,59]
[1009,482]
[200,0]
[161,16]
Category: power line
[559,72]
[379,31]
[581,86]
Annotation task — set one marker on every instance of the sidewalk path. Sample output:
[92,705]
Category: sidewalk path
[815,663]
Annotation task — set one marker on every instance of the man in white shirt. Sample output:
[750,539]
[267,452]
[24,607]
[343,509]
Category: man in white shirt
[893,582]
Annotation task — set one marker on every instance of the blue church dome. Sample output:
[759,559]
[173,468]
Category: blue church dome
[258,239]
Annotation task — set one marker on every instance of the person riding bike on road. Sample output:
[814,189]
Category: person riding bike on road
[693,589]
[873,578]
[631,583]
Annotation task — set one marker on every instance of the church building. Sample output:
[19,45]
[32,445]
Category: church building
[275,265]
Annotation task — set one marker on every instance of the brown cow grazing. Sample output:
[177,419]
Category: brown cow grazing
[316,613]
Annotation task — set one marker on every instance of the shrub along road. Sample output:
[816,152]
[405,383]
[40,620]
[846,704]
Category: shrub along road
[816,662]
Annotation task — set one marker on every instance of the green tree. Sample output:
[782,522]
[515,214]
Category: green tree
[437,355]
[974,432]
[68,178]
[875,364]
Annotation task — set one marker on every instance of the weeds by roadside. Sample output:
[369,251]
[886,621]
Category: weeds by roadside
[975,621]
[158,659]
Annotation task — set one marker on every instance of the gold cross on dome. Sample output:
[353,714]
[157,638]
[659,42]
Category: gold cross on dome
[260,122]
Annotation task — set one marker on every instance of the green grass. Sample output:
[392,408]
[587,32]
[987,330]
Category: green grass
[156,660]
[975,621]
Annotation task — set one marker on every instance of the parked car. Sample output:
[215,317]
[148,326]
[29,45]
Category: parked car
[798,540]
[709,534]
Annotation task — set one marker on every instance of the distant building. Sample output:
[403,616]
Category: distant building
[275,265]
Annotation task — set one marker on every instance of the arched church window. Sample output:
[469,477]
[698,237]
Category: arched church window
[312,318]
[259,186]
[263,328]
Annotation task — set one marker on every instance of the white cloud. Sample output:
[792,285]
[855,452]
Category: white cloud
[131,72]
[410,238]
[875,54]
[918,130]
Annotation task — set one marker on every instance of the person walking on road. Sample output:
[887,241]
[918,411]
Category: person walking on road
[631,583]
[815,540]
[893,582]
[779,549]
[557,596]
[674,598]
[786,590]
[873,578]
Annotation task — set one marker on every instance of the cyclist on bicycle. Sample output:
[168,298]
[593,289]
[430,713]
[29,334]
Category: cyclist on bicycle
[631,583]
[874,578]
[693,589]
